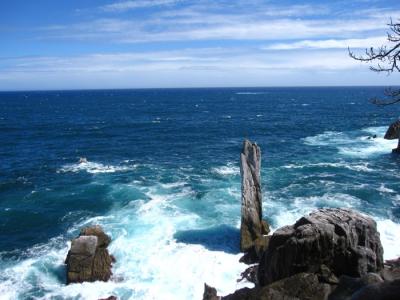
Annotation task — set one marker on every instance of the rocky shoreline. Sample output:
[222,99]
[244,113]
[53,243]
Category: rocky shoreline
[330,254]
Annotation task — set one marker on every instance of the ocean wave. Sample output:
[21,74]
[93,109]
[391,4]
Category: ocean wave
[227,170]
[284,212]
[146,253]
[354,143]
[173,184]
[95,168]
[359,167]
[383,189]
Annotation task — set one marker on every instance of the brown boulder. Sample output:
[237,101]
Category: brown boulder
[88,259]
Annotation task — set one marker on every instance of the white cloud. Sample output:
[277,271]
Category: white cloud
[129,5]
[216,27]
[222,59]
[330,44]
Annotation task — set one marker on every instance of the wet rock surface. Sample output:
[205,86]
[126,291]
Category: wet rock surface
[88,259]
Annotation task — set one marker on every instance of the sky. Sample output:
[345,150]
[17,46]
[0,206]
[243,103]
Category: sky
[87,44]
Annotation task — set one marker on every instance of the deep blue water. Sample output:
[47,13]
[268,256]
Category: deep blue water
[163,179]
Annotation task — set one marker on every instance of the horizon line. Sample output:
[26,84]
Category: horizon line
[199,87]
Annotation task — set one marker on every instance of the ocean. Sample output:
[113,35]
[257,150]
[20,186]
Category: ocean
[162,177]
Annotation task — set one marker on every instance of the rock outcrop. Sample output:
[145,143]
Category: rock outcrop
[88,259]
[393,133]
[345,241]
[251,227]
[210,293]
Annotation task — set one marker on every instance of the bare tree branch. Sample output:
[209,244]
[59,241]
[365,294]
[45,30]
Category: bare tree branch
[387,59]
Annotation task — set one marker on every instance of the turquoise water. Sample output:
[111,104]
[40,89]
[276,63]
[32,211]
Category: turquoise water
[163,180]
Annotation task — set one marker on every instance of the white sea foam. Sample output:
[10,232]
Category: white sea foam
[389,233]
[360,167]
[151,263]
[227,170]
[173,184]
[95,168]
[355,143]
[383,189]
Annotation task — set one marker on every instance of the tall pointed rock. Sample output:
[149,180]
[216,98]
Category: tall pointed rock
[251,224]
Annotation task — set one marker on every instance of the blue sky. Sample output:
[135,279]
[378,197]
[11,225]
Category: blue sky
[47,44]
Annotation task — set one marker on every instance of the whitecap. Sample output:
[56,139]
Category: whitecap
[95,168]
[354,143]
[227,170]
[359,167]
[173,184]
[383,189]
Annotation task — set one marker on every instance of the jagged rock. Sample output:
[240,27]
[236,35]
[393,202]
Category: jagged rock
[254,254]
[88,259]
[302,286]
[210,293]
[250,274]
[346,241]
[251,225]
[103,239]
[326,275]
[265,227]
[393,133]
[242,294]
[391,270]
[388,290]
[109,298]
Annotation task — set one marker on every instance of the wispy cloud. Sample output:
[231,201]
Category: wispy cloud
[215,27]
[130,5]
[206,20]
[223,59]
[329,44]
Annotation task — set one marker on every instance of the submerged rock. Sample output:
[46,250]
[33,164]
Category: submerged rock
[345,241]
[88,259]
[251,227]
